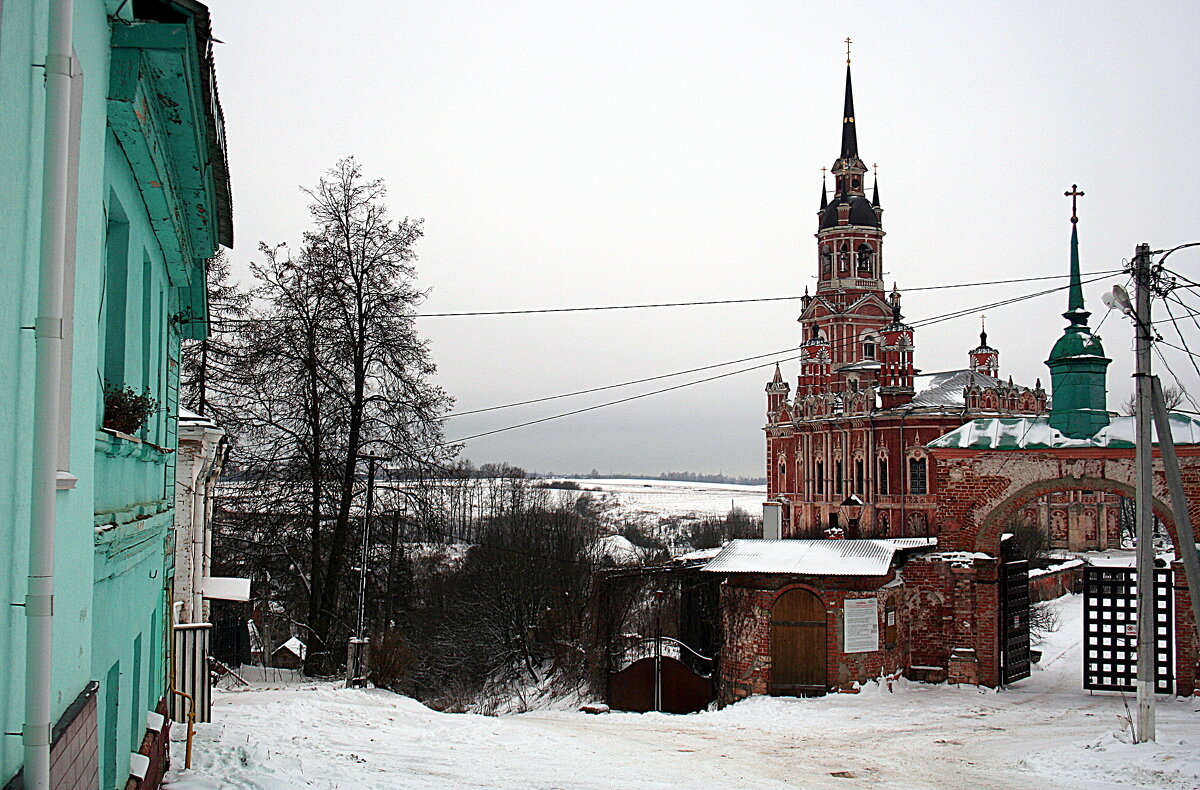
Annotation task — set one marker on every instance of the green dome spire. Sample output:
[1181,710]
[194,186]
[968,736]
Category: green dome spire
[1077,362]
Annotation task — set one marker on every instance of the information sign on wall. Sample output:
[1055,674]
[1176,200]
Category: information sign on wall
[861,625]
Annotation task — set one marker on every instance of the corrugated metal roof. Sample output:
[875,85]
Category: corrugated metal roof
[1035,433]
[814,557]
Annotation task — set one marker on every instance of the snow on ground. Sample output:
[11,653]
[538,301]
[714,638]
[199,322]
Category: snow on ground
[676,499]
[1044,732]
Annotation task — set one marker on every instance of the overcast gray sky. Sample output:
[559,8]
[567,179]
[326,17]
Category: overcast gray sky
[571,154]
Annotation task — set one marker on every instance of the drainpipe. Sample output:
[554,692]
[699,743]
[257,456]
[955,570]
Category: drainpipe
[903,478]
[199,482]
[48,333]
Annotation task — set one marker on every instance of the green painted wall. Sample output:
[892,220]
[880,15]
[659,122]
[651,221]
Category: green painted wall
[114,528]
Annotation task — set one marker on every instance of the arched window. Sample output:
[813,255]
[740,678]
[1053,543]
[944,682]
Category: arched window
[882,478]
[826,259]
[866,257]
[844,258]
[918,476]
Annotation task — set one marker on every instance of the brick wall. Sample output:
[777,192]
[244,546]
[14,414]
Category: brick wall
[746,602]
[74,748]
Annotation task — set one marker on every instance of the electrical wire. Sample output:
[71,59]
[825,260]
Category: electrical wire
[1162,358]
[215,322]
[923,322]
[1182,339]
[733,301]
[614,386]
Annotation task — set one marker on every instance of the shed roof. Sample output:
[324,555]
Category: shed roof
[814,557]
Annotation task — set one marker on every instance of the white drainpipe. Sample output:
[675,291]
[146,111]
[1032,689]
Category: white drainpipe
[199,479]
[48,331]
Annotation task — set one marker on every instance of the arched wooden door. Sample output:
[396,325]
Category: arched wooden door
[798,645]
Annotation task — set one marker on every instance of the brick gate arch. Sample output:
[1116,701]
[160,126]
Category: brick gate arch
[995,520]
[976,490]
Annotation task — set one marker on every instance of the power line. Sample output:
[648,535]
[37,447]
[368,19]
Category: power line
[1162,358]
[732,301]
[616,386]
[611,403]
[1183,340]
[924,322]
[214,322]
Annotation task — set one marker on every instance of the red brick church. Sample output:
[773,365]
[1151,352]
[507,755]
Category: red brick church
[891,491]
[855,431]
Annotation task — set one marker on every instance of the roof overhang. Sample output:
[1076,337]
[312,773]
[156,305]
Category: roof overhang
[163,110]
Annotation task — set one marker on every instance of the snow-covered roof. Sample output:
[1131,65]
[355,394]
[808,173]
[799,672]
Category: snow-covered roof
[295,647]
[189,417]
[946,388]
[815,557]
[1035,433]
[866,364]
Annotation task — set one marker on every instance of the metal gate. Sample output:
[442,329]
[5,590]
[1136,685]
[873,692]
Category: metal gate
[1014,621]
[662,682]
[1110,630]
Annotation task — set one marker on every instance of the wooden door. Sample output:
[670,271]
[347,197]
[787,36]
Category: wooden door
[798,645]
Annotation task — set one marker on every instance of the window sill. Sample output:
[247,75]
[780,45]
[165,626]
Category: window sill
[116,444]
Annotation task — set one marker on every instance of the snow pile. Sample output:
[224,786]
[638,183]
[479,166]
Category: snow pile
[1115,758]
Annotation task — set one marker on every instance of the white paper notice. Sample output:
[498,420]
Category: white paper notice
[861,625]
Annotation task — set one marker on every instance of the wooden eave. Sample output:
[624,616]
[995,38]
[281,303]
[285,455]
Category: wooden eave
[157,113]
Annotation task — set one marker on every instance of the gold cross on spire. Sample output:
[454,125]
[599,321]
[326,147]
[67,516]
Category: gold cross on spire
[848,43]
[1074,194]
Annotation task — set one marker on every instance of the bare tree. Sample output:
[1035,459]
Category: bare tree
[333,370]
[209,365]
[1172,396]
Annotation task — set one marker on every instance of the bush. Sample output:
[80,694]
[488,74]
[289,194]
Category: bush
[711,533]
[124,409]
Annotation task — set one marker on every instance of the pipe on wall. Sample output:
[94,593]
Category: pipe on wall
[48,331]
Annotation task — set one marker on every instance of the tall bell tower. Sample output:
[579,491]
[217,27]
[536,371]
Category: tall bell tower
[843,322]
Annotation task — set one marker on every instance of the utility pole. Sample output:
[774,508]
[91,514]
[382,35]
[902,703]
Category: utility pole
[356,669]
[1144,731]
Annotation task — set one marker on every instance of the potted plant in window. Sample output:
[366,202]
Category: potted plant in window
[126,410]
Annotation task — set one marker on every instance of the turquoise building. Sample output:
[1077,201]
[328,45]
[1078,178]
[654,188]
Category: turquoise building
[113,163]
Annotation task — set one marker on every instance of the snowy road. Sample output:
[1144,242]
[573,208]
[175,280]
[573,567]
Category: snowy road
[1045,732]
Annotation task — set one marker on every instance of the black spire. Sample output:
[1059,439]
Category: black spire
[849,137]
[875,193]
[824,192]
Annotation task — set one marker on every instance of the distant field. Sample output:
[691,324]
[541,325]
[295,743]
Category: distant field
[668,499]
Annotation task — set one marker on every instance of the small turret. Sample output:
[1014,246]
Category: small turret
[984,358]
[777,393]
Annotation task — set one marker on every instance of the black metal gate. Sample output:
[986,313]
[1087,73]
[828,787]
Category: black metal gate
[1110,630]
[1014,621]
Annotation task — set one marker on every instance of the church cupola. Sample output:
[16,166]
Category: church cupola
[1077,362]
[984,358]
